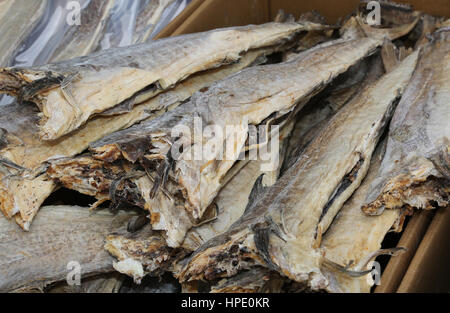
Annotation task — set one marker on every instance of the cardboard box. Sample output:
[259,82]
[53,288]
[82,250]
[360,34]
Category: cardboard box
[424,267]
[210,14]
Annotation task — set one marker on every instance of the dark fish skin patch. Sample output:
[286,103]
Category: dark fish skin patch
[3,140]
[262,241]
[29,91]
[346,182]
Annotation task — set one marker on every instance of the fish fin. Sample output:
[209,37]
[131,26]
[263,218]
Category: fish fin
[262,241]
[257,190]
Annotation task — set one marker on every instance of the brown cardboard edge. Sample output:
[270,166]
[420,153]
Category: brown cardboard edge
[180,19]
[428,270]
[199,11]
[328,8]
[225,13]
[410,239]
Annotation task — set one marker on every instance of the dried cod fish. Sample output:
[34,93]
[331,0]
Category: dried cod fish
[255,280]
[248,97]
[62,235]
[415,170]
[82,39]
[22,193]
[319,111]
[147,252]
[105,283]
[354,239]
[312,119]
[283,230]
[69,93]
[428,24]
[17,19]
[231,203]
[23,146]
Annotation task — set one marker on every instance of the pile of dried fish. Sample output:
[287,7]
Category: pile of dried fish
[260,158]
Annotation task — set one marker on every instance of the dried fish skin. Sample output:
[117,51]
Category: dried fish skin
[22,145]
[245,98]
[231,203]
[147,252]
[319,111]
[62,234]
[85,175]
[415,171]
[70,92]
[141,253]
[353,236]
[22,197]
[91,177]
[104,283]
[255,280]
[282,231]
[428,24]
[394,16]
[82,39]
[393,13]
[239,192]
[27,150]
[17,19]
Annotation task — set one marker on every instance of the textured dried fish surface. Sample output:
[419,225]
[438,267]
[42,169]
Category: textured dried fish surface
[354,237]
[283,230]
[415,169]
[148,18]
[62,235]
[141,253]
[255,280]
[21,145]
[231,203]
[17,19]
[246,98]
[320,110]
[82,39]
[104,283]
[20,198]
[147,252]
[311,120]
[70,92]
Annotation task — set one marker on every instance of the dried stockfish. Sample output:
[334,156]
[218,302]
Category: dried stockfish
[246,98]
[104,283]
[415,170]
[311,120]
[147,252]
[255,280]
[70,92]
[23,193]
[62,235]
[283,230]
[319,111]
[353,236]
